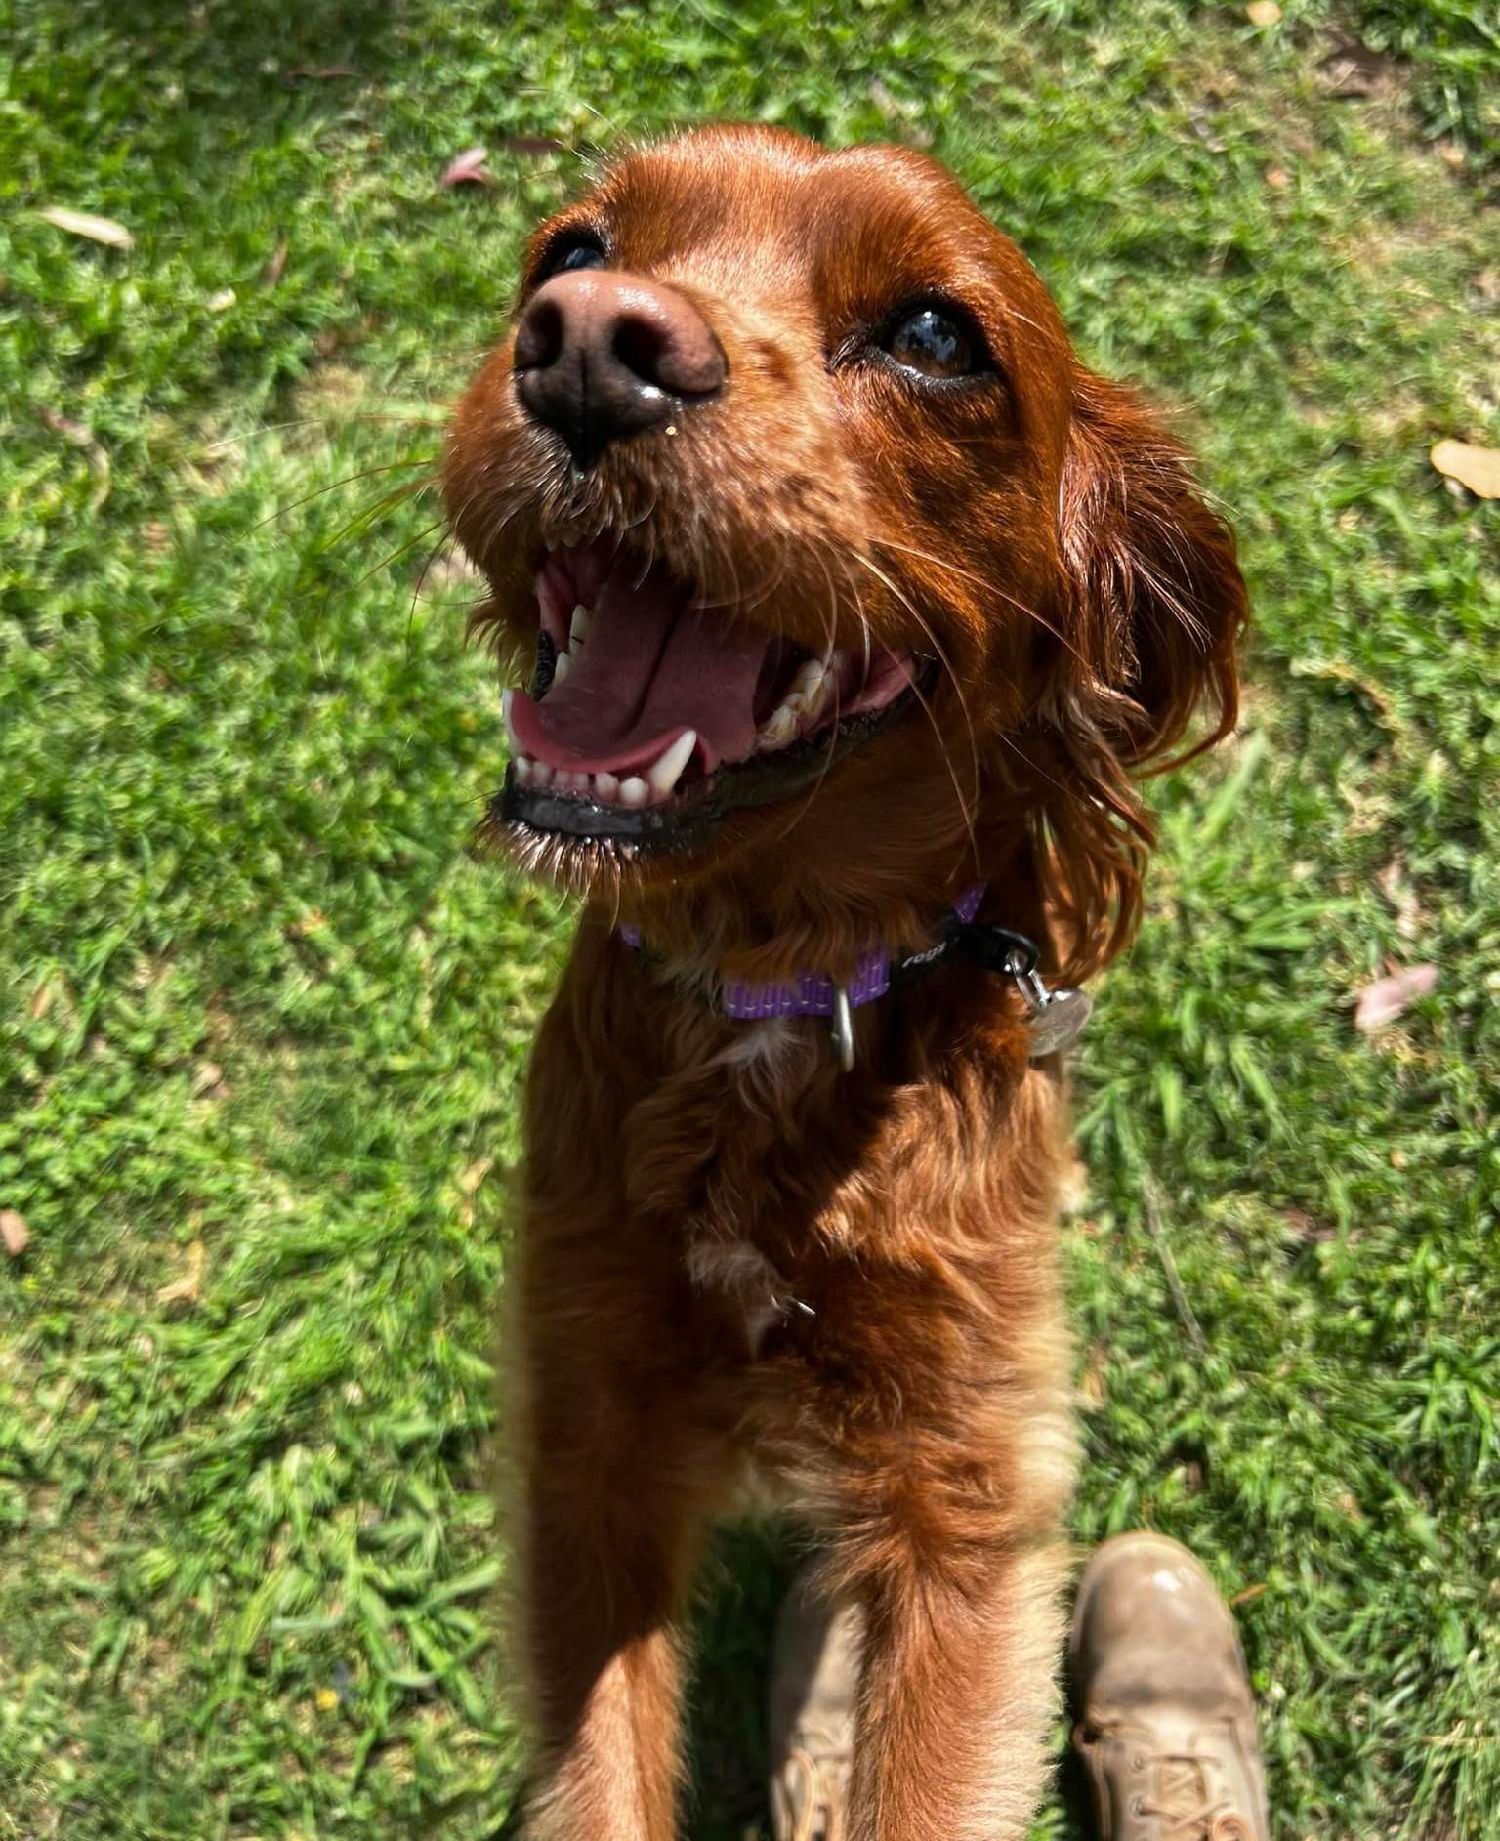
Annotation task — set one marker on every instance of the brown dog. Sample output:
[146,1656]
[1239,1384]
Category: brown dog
[850,593]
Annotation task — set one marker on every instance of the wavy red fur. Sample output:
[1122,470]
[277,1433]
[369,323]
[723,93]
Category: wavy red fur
[1039,537]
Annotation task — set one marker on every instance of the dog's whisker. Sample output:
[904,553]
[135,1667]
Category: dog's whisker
[407,490]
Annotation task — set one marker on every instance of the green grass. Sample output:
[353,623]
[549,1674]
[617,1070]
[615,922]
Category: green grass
[262,1016]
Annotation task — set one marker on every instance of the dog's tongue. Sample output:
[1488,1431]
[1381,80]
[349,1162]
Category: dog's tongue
[650,668]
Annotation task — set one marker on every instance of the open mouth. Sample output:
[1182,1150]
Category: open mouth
[650,716]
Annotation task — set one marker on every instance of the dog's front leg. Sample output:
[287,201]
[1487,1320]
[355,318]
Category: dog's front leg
[610,1513]
[955,1701]
[958,1562]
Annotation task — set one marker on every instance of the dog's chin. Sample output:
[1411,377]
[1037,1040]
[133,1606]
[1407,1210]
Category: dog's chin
[655,727]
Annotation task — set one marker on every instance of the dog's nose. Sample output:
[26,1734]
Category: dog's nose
[601,355]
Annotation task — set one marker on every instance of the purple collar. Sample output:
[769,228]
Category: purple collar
[1054,1017]
[815,993]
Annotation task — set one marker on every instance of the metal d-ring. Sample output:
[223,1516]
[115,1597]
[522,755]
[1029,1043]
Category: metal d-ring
[841,1025]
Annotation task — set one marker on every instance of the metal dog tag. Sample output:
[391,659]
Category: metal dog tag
[1054,1019]
[1057,1023]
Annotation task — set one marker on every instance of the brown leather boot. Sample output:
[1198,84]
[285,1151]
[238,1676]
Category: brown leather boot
[814,1679]
[1166,1724]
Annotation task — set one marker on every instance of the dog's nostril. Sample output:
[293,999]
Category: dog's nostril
[640,346]
[539,341]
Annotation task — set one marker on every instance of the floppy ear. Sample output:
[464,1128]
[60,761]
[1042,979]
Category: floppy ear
[1152,608]
[1158,602]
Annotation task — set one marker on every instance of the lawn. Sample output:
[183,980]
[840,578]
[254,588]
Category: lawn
[263,1013]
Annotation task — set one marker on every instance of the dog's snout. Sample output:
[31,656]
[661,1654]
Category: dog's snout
[601,355]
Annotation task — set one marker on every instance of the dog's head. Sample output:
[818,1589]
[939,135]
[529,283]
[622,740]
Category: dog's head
[836,569]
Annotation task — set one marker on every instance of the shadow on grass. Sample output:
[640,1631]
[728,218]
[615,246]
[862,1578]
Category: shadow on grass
[256,62]
[747,1575]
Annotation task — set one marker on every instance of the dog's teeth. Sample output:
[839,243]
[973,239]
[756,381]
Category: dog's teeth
[507,698]
[606,787]
[561,669]
[573,782]
[578,631]
[522,767]
[778,728]
[634,791]
[541,774]
[664,774]
[808,679]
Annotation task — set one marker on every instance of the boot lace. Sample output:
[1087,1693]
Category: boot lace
[1186,1806]
[818,1807]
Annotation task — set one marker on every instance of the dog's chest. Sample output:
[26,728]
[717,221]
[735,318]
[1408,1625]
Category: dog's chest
[725,1264]
[737,1274]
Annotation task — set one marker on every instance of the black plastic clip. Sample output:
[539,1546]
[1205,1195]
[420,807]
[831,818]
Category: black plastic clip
[997,949]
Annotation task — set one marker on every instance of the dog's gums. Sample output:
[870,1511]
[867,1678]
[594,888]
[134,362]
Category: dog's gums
[650,715]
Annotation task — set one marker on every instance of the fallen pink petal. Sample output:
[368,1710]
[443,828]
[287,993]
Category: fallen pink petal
[467,168]
[1382,1002]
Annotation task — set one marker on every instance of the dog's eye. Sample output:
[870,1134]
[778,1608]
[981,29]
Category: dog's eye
[934,342]
[573,249]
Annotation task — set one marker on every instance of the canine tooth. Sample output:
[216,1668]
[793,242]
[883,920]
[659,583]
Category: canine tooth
[578,632]
[522,766]
[779,727]
[507,698]
[634,791]
[561,669]
[541,774]
[606,786]
[664,774]
[813,682]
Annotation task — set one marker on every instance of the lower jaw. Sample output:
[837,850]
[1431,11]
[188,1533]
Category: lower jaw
[689,820]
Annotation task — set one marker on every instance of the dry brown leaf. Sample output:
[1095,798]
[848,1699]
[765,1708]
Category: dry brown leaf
[532,144]
[77,435]
[86,224]
[276,265]
[1263,13]
[1478,468]
[14,1232]
[1307,1228]
[470,1179]
[467,168]
[1278,178]
[189,1288]
[1352,71]
[1382,1002]
[1392,883]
